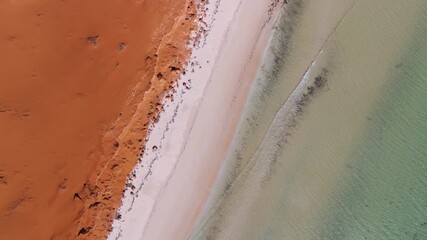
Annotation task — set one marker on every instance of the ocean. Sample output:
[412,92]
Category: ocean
[332,143]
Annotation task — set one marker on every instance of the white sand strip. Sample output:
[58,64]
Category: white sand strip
[186,147]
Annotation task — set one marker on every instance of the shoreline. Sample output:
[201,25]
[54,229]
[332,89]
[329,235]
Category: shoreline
[109,182]
[81,84]
[176,178]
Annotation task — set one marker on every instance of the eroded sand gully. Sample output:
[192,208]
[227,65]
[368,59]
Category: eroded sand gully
[80,81]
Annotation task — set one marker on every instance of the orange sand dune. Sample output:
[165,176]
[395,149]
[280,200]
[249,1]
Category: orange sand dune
[79,81]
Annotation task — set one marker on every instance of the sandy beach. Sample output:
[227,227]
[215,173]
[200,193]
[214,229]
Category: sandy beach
[171,184]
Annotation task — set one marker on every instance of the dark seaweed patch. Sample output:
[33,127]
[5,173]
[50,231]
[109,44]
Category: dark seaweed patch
[319,83]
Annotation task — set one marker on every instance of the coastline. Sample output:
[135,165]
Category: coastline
[171,183]
[109,182]
[81,83]
[213,119]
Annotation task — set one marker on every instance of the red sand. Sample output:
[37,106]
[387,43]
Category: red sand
[80,80]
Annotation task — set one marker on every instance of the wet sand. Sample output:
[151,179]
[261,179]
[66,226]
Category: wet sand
[80,81]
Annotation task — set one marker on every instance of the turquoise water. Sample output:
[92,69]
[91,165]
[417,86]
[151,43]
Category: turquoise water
[384,193]
[333,140]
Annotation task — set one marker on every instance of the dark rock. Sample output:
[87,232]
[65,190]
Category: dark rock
[84,231]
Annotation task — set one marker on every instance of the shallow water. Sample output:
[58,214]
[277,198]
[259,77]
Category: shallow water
[333,140]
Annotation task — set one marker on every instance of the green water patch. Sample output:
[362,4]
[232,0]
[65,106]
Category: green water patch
[385,190]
